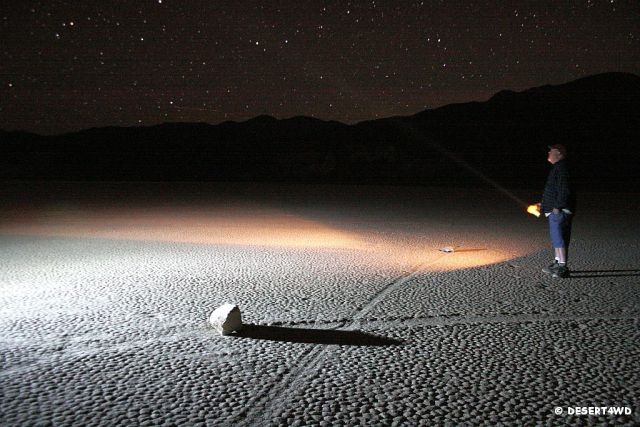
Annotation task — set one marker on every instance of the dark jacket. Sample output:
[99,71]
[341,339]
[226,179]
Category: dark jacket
[558,192]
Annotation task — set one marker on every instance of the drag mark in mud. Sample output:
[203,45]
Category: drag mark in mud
[391,287]
[264,408]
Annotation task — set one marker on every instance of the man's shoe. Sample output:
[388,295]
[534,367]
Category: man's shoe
[562,272]
[551,268]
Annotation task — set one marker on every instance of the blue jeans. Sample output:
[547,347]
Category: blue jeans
[560,229]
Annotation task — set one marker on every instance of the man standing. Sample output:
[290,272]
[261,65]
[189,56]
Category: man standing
[558,205]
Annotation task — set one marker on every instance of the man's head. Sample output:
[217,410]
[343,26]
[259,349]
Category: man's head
[556,153]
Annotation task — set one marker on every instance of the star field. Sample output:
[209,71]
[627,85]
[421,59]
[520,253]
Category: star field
[67,66]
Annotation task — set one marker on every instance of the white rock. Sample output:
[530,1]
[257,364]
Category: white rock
[226,319]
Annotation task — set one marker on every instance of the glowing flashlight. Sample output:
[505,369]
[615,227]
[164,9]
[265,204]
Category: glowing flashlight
[534,210]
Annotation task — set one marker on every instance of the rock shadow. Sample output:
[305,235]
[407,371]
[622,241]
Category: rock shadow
[314,336]
[581,274]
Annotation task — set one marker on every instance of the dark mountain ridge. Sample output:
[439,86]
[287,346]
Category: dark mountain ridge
[504,138]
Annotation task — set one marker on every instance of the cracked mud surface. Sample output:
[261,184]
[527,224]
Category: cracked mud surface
[356,316]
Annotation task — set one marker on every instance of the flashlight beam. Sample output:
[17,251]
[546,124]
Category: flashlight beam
[413,132]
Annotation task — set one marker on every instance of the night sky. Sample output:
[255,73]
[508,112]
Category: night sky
[72,65]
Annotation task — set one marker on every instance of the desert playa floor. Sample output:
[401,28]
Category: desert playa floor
[352,314]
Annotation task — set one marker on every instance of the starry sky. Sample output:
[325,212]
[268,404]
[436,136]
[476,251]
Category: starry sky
[71,65]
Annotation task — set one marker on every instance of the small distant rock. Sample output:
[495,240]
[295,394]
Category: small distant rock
[226,319]
[448,249]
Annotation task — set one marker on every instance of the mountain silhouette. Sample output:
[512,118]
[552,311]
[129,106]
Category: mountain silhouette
[504,138]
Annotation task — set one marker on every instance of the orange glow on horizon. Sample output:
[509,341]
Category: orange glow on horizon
[223,226]
[263,226]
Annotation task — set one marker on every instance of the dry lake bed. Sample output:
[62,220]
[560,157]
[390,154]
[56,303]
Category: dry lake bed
[353,315]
